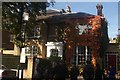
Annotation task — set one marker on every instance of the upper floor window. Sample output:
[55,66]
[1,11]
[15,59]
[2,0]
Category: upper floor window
[37,31]
[82,29]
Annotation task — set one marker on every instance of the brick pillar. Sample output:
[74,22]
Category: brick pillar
[27,74]
[16,50]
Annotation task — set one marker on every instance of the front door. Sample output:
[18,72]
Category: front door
[112,60]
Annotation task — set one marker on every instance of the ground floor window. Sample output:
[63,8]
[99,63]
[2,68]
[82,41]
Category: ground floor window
[54,52]
[82,54]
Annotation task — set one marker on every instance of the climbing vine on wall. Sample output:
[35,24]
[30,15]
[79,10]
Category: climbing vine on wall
[90,38]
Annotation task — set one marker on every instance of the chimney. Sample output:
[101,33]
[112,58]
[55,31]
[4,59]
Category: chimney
[99,9]
[68,9]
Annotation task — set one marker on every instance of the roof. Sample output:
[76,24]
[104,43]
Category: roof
[112,47]
[62,16]
[52,11]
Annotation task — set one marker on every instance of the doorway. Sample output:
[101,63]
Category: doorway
[112,60]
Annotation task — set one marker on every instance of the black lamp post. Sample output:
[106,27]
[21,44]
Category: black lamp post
[22,56]
[25,18]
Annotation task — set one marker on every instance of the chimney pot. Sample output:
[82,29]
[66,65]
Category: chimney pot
[99,9]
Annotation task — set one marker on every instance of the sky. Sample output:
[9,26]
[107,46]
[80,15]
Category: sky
[110,11]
